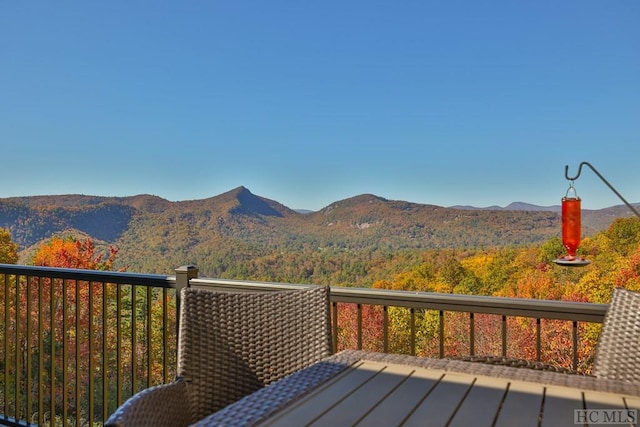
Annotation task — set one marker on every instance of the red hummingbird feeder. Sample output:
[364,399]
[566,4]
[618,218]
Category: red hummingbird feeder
[571,229]
[571,219]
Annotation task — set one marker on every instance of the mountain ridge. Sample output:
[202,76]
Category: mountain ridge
[224,231]
[152,202]
[515,206]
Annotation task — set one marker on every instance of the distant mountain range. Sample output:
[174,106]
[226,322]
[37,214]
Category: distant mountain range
[157,235]
[515,206]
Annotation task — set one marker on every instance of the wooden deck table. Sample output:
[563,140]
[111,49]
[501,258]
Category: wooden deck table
[391,390]
[387,394]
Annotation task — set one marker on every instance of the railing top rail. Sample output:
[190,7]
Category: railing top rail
[544,309]
[526,307]
[119,277]
[244,285]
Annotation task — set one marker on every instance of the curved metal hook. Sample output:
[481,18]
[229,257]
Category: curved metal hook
[566,175]
[566,171]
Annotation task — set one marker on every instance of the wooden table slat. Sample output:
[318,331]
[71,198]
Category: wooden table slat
[325,397]
[597,400]
[482,404]
[365,397]
[560,404]
[394,409]
[632,402]
[438,407]
[522,402]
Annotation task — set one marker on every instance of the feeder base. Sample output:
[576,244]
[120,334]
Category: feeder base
[567,261]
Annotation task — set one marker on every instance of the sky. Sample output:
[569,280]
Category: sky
[306,103]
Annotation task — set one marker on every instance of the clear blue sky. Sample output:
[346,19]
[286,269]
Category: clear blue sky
[310,102]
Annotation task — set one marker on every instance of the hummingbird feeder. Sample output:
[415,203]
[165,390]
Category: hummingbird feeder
[571,219]
[571,229]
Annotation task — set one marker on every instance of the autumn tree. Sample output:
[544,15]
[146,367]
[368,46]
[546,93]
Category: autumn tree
[68,310]
[8,255]
[8,249]
[625,232]
[72,253]
[61,332]
[126,311]
[360,326]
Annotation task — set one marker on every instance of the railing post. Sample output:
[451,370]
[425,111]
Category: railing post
[183,275]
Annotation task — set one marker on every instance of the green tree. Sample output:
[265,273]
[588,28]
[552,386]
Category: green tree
[551,250]
[625,232]
[8,249]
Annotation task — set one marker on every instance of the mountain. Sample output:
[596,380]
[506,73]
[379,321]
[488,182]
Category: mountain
[231,230]
[515,206]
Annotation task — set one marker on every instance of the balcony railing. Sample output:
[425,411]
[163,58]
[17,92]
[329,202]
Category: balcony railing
[74,344]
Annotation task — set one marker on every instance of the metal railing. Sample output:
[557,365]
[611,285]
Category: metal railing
[74,344]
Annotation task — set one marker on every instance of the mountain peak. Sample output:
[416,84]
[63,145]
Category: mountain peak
[241,191]
[243,201]
[357,200]
[522,206]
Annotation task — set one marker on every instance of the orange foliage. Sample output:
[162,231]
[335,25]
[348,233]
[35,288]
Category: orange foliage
[629,276]
[71,253]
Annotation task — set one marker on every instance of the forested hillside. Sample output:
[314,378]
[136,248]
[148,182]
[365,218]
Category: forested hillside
[240,235]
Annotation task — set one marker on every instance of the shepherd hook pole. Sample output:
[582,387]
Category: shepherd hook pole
[566,175]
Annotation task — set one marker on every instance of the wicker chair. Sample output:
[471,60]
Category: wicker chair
[230,345]
[618,349]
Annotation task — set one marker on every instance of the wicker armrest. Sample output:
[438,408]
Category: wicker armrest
[262,403]
[516,363]
[161,405]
